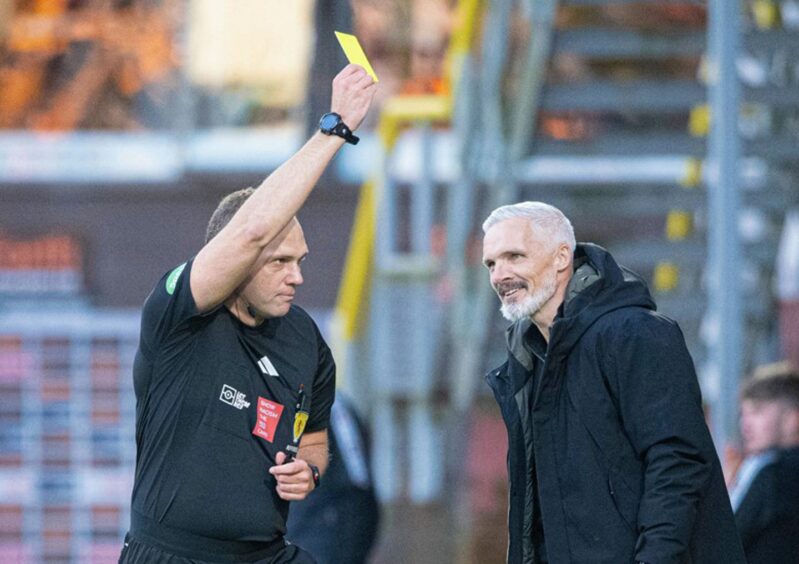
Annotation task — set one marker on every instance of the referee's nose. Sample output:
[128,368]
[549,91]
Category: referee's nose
[294,277]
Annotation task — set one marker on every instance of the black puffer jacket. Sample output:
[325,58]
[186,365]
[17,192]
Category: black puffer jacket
[625,468]
[768,517]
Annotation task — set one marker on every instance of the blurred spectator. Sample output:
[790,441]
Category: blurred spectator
[765,495]
[339,523]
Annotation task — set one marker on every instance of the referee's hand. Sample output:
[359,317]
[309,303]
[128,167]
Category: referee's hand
[353,91]
[294,479]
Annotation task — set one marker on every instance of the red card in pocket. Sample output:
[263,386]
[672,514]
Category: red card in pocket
[269,414]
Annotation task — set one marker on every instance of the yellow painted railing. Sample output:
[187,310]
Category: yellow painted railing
[353,296]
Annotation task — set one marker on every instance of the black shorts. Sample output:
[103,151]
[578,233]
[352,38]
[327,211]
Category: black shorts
[136,551]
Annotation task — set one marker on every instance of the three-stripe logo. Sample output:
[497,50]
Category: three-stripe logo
[267,367]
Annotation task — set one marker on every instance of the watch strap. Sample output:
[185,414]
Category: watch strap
[342,130]
[316,475]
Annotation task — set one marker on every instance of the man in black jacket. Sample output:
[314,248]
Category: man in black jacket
[610,460]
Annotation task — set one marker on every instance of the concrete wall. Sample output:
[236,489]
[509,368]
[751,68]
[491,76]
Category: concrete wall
[132,235]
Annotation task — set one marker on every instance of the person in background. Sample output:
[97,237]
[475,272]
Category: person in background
[339,524]
[609,457]
[233,382]
[765,493]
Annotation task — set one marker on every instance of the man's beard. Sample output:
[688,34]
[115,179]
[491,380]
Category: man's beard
[531,305]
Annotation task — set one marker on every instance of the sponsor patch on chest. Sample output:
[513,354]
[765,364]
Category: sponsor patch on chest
[268,416]
[232,396]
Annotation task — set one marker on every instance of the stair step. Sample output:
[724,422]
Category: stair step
[629,44]
[691,307]
[671,143]
[651,96]
[636,202]
[771,40]
[774,148]
[601,42]
[627,96]
[620,2]
[687,254]
[584,171]
[773,96]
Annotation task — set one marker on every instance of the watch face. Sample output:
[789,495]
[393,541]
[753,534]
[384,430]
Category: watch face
[329,121]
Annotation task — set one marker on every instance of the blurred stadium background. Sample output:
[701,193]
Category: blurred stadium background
[667,131]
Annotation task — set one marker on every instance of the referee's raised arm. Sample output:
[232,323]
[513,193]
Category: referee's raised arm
[228,258]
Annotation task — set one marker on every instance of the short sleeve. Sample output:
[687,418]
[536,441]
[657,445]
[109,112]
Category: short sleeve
[168,307]
[324,388]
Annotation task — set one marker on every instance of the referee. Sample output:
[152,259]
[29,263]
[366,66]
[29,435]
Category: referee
[230,376]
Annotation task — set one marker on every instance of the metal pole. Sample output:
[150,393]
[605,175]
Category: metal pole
[501,159]
[425,474]
[724,202]
[385,454]
[423,201]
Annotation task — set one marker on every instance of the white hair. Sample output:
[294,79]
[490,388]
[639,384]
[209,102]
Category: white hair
[546,220]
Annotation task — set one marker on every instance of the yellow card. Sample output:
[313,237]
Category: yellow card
[352,48]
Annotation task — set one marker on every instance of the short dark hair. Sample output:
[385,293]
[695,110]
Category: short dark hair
[773,382]
[226,209]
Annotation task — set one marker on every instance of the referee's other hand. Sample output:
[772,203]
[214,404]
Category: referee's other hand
[294,479]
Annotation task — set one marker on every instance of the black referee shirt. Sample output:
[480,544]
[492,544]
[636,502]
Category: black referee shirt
[215,402]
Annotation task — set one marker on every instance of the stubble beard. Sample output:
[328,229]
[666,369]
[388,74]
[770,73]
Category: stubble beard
[533,303]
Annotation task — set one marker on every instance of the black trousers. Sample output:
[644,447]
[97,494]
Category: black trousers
[136,551]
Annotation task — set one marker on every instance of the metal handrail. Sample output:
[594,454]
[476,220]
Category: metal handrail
[352,302]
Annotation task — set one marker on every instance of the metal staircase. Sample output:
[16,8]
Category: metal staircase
[605,114]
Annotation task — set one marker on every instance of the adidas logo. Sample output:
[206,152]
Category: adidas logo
[267,367]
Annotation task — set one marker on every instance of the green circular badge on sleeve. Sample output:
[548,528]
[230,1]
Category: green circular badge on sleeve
[172,279]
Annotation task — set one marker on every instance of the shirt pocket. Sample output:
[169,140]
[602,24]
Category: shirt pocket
[231,405]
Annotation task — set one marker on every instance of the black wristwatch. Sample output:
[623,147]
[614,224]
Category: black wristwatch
[317,477]
[331,124]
